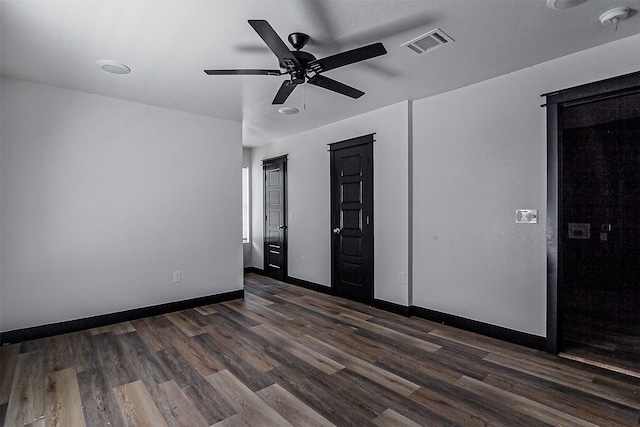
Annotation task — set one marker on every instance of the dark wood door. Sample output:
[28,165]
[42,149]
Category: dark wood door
[275,217]
[352,218]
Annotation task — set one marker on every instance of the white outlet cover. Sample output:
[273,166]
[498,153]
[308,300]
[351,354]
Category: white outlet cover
[177,276]
[527,216]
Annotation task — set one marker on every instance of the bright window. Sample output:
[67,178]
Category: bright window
[245,204]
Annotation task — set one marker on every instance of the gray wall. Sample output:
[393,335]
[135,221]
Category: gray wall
[309,230]
[480,154]
[103,199]
[476,155]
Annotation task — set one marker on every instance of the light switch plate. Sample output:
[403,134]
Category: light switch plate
[527,216]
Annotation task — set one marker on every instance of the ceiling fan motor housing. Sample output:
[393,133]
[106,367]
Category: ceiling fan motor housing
[297,76]
[303,57]
[298,72]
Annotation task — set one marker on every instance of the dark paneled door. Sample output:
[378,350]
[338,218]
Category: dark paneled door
[275,217]
[352,218]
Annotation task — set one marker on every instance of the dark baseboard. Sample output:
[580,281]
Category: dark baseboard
[20,335]
[293,281]
[310,285]
[493,331]
[392,307]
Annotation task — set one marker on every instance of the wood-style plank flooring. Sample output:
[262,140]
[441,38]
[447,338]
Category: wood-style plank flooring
[287,356]
[608,340]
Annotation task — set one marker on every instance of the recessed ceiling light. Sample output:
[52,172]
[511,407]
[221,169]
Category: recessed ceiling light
[113,67]
[288,110]
[563,4]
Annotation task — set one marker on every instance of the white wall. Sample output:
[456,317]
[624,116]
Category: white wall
[479,153]
[309,231]
[103,199]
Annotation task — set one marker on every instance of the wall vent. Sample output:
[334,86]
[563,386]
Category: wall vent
[429,41]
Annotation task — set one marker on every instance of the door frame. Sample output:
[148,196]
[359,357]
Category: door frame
[555,103]
[285,261]
[335,222]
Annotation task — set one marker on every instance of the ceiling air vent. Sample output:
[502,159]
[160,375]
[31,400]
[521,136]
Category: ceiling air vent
[429,41]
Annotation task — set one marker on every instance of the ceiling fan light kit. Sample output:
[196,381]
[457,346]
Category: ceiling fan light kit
[301,66]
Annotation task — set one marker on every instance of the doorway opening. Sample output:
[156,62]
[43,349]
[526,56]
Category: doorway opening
[594,223]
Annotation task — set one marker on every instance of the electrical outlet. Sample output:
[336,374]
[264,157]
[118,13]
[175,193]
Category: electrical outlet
[177,276]
[401,277]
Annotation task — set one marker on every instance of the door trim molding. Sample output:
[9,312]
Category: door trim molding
[265,161]
[352,142]
[556,102]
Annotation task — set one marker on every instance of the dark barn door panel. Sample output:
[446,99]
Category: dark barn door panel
[275,217]
[352,218]
[593,221]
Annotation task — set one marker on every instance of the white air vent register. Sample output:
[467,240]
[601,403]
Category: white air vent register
[429,41]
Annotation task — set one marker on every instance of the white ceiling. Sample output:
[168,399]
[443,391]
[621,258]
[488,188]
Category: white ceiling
[168,44]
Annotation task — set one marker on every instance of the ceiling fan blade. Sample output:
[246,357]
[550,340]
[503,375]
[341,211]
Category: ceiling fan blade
[336,86]
[284,92]
[244,72]
[275,43]
[349,57]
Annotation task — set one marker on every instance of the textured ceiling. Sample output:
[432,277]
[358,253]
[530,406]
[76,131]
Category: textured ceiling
[168,44]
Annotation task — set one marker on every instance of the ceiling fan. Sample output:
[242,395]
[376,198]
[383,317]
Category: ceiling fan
[302,66]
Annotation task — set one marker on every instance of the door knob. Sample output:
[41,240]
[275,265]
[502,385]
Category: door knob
[280,227]
[336,230]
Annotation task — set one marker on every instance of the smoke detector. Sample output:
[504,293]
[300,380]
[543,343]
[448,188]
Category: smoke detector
[612,16]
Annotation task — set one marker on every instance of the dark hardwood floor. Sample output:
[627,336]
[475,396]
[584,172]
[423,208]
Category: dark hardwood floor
[289,356]
[605,342]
